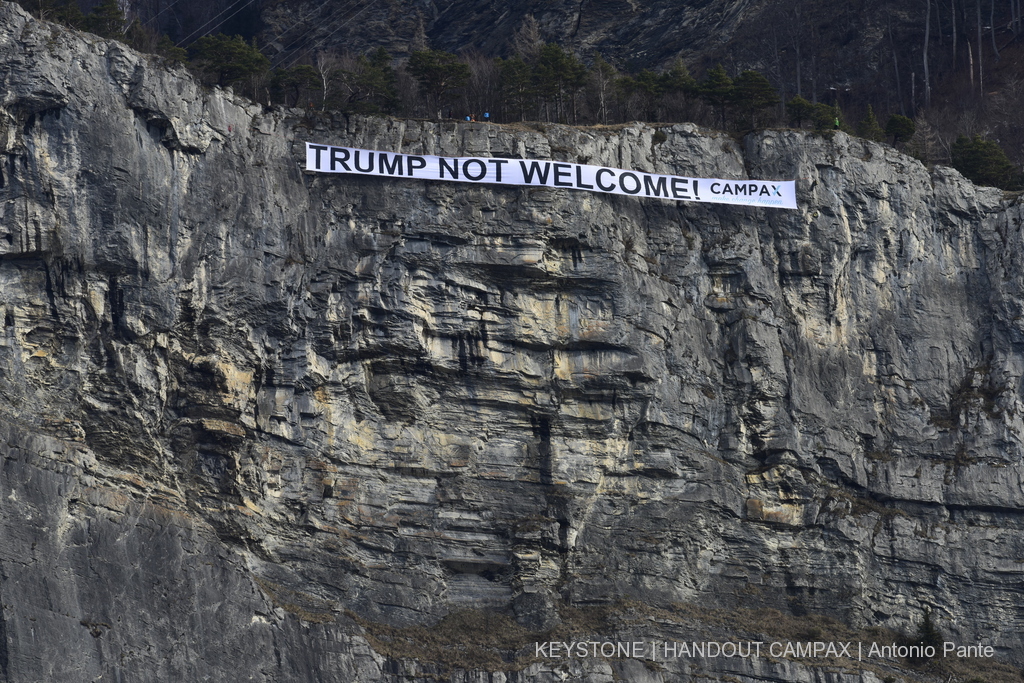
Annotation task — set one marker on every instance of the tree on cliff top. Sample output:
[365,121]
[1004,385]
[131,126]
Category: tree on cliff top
[516,89]
[869,128]
[799,110]
[438,73]
[107,20]
[557,79]
[752,96]
[227,60]
[985,163]
[900,128]
[717,90]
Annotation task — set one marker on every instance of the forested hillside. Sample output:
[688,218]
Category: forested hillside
[952,68]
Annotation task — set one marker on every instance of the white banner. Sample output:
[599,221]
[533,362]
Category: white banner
[329,159]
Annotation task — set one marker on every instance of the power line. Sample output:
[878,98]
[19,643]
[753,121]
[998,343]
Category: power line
[161,12]
[321,41]
[203,27]
[303,18]
[283,32]
[283,57]
[291,58]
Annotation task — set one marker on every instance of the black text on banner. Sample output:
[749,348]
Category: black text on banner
[769,193]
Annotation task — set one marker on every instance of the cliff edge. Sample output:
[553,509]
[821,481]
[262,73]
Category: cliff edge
[257,424]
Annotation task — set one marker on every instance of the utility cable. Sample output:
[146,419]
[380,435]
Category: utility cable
[202,29]
[282,58]
[304,17]
[146,22]
[321,41]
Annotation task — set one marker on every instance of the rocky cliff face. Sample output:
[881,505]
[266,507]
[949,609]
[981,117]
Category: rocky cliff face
[649,33]
[262,425]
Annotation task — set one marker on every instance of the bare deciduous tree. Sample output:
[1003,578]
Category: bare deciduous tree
[328,67]
[483,88]
[981,70]
[526,41]
[927,35]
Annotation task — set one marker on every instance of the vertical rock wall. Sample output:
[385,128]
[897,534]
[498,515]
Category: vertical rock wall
[251,417]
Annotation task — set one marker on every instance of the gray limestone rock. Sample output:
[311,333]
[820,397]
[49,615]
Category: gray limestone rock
[263,425]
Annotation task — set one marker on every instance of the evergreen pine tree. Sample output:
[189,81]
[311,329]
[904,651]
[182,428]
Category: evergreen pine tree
[717,90]
[826,118]
[677,87]
[294,85]
[69,14]
[166,48]
[799,110]
[379,81]
[575,81]
[515,87]
[227,60]
[899,128]
[439,74]
[648,88]
[927,636]
[557,76]
[869,128]
[625,89]
[61,11]
[752,95]
[106,20]
[985,163]
[678,79]
[927,633]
